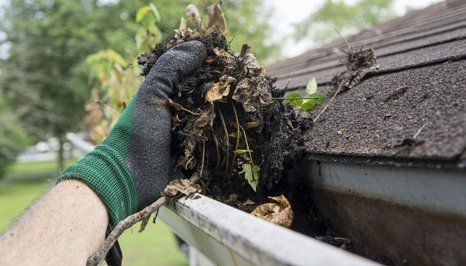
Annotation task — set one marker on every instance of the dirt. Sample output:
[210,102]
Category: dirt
[228,115]
[232,96]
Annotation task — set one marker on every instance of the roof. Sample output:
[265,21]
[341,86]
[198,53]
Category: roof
[409,110]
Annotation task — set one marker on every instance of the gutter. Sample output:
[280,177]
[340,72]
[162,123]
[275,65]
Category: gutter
[399,215]
[228,236]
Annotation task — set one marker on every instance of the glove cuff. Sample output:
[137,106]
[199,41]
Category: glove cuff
[104,170]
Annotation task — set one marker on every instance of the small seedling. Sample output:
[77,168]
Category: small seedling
[250,170]
[308,101]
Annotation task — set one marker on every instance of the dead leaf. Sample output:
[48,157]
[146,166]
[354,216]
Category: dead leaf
[183,30]
[250,62]
[253,94]
[179,187]
[219,90]
[278,213]
[225,58]
[193,13]
[216,18]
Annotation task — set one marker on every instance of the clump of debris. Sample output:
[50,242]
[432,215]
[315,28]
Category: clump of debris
[231,130]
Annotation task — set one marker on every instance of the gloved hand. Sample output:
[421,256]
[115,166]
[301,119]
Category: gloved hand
[130,168]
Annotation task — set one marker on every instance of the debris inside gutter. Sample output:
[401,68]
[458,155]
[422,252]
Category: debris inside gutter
[235,136]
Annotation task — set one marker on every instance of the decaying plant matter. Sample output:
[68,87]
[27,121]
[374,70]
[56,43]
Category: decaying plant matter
[231,130]
[279,213]
[228,126]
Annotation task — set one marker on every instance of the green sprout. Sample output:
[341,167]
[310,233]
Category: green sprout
[250,170]
[308,101]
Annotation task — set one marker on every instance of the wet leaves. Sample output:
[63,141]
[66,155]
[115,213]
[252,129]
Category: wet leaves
[279,212]
[229,99]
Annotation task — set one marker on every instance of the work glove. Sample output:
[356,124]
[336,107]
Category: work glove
[130,169]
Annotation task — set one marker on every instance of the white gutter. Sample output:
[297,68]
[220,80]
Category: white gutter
[432,190]
[228,236]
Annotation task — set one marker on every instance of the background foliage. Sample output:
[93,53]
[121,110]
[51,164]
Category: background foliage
[45,78]
[347,18]
[12,137]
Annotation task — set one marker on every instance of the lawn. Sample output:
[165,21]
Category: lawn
[155,246]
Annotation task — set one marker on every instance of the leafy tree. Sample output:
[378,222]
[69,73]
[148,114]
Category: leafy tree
[248,22]
[45,77]
[12,137]
[347,18]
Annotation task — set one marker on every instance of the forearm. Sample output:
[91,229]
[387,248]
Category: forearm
[65,226]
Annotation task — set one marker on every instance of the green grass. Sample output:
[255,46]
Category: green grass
[33,169]
[155,246]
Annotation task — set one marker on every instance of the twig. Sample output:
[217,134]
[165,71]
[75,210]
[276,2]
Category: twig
[419,130]
[329,102]
[304,98]
[203,159]
[180,107]
[224,125]
[247,144]
[217,151]
[203,7]
[187,163]
[344,39]
[237,133]
[99,255]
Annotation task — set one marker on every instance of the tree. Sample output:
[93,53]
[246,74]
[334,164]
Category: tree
[337,15]
[248,22]
[45,78]
[12,137]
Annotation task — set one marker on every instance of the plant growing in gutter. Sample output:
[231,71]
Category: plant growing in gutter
[309,100]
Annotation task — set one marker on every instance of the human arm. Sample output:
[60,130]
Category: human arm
[67,224]
[129,170]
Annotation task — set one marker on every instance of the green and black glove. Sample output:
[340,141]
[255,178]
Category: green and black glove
[130,168]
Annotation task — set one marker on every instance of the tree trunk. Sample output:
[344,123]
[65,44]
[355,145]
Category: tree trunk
[61,153]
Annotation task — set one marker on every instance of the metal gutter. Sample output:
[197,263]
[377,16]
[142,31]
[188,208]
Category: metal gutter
[441,191]
[228,236]
[403,215]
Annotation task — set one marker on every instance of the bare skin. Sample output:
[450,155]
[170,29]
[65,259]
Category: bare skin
[64,227]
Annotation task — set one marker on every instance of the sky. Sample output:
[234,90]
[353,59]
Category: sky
[289,12]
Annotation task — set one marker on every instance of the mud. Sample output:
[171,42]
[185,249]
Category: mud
[227,115]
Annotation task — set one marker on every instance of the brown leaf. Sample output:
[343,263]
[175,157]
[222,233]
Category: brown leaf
[225,57]
[219,89]
[179,187]
[216,18]
[183,30]
[251,65]
[253,94]
[278,213]
[193,13]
